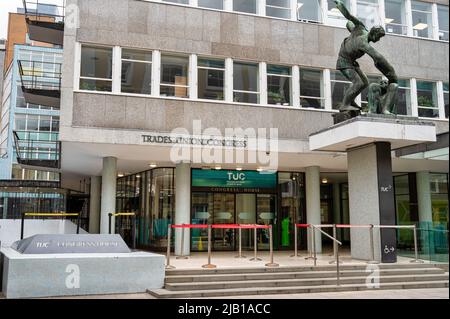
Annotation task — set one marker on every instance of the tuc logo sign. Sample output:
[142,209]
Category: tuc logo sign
[237,177]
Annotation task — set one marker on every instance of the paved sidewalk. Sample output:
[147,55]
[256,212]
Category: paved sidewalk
[440,293]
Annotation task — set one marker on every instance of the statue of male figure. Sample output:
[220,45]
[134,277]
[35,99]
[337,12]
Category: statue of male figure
[354,47]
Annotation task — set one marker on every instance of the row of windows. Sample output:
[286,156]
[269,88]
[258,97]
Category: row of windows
[37,127]
[241,81]
[19,173]
[404,17]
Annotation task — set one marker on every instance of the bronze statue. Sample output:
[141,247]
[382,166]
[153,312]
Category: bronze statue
[382,97]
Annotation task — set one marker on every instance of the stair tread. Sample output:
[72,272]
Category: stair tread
[254,291]
[412,277]
[207,275]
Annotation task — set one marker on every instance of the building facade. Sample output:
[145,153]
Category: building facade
[142,78]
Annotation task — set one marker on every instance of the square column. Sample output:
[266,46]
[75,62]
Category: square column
[425,212]
[183,207]
[312,176]
[371,192]
[108,201]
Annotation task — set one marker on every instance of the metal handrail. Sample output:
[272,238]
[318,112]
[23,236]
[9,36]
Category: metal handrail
[336,244]
[55,215]
[33,77]
[59,18]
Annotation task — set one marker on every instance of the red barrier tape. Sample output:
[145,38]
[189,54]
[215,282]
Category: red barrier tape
[303,225]
[190,226]
[222,226]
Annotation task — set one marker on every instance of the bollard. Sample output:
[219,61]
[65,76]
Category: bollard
[255,239]
[209,265]
[272,263]
[416,252]
[310,240]
[169,234]
[181,256]
[295,242]
[78,223]
[372,248]
[240,245]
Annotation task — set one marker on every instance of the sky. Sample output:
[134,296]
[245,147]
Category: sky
[5,7]
[11,6]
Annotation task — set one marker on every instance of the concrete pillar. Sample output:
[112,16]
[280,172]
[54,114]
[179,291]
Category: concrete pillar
[425,211]
[94,205]
[182,207]
[108,201]
[371,192]
[313,203]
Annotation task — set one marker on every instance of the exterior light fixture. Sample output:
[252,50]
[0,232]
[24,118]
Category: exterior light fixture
[324,181]
[120,175]
[218,168]
[260,170]
[239,168]
[153,165]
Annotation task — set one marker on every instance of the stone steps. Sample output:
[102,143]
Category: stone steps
[297,282]
[249,270]
[222,282]
[163,293]
[294,275]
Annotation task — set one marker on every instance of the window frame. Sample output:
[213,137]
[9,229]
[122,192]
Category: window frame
[201,67]
[322,98]
[138,62]
[81,77]
[187,86]
[290,76]
[257,93]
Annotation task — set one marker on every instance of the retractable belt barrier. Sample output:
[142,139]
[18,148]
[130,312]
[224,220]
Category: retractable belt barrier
[61,214]
[133,225]
[209,265]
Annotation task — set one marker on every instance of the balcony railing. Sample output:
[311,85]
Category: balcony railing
[45,20]
[41,82]
[38,149]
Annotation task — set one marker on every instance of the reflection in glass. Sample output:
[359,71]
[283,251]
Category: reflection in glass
[266,211]
[339,85]
[213,4]
[335,17]
[248,6]
[443,22]
[395,19]
[245,79]
[211,79]
[278,8]
[223,214]
[368,12]
[311,89]
[308,10]
[422,19]
[246,214]
[136,71]
[427,99]
[278,85]
[446,106]
[174,76]
[404,98]
[96,69]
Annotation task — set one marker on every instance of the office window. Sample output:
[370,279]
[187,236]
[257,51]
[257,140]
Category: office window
[178,1]
[365,93]
[213,4]
[248,6]
[443,22]
[311,89]
[278,8]
[136,71]
[96,69]
[422,19]
[404,97]
[439,203]
[446,99]
[395,19]
[368,12]
[174,75]
[427,99]
[308,10]
[21,122]
[278,85]
[335,17]
[211,79]
[245,80]
[339,85]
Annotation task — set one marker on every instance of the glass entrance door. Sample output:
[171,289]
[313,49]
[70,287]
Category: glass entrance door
[266,215]
[246,214]
[223,239]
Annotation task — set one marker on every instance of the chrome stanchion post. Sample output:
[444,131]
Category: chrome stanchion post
[338,275]
[209,265]
[295,242]
[169,235]
[240,244]
[335,248]
[272,263]
[309,235]
[372,246]
[182,256]
[416,251]
[314,244]
[255,239]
